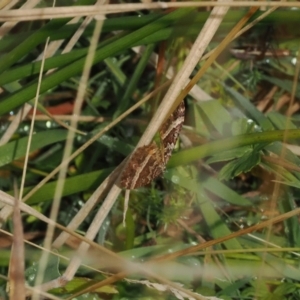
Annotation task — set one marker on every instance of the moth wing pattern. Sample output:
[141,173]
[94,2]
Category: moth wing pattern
[144,165]
[148,162]
[169,131]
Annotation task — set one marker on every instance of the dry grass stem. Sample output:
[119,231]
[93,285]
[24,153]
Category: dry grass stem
[79,11]
[6,211]
[241,232]
[177,85]
[7,26]
[197,50]
[67,152]
[157,267]
[13,126]
[195,54]
[17,258]
[9,200]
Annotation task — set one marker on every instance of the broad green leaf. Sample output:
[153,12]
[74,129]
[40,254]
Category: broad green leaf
[81,282]
[115,144]
[242,126]
[260,288]
[285,288]
[217,115]
[73,185]
[241,165]
[51,274]
[232,289]
[280,121]
[54,79]
[221,190]
[180,177]
[209,149]
[250,109]
[230,154]
[214,222]
[17,148]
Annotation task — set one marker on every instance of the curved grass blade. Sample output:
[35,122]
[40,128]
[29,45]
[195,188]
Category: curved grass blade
[72,185]
[51,81]
[189,155]
[17,148]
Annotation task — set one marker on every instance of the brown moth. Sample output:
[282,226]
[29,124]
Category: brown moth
[149,162]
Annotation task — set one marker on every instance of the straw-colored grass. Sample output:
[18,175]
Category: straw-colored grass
[79,95]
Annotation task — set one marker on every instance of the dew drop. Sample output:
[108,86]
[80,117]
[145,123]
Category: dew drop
[175,179]
[31,277]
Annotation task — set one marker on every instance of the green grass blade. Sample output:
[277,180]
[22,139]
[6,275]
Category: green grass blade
[251,110]
[221,190]
[30,43]
[56,78]
[36,38]
[189,155]
[73,185]
[215,224]
[17,149]
[134,80]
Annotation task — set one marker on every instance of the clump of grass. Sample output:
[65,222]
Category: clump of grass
[221,221]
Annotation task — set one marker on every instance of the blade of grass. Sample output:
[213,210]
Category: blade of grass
[189,155]
[215,224]
[73,185]
[131,86]
[59,76]
[221,190]
[32,41]
[17,265]
[251,110]
[288,18]
[17,149]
